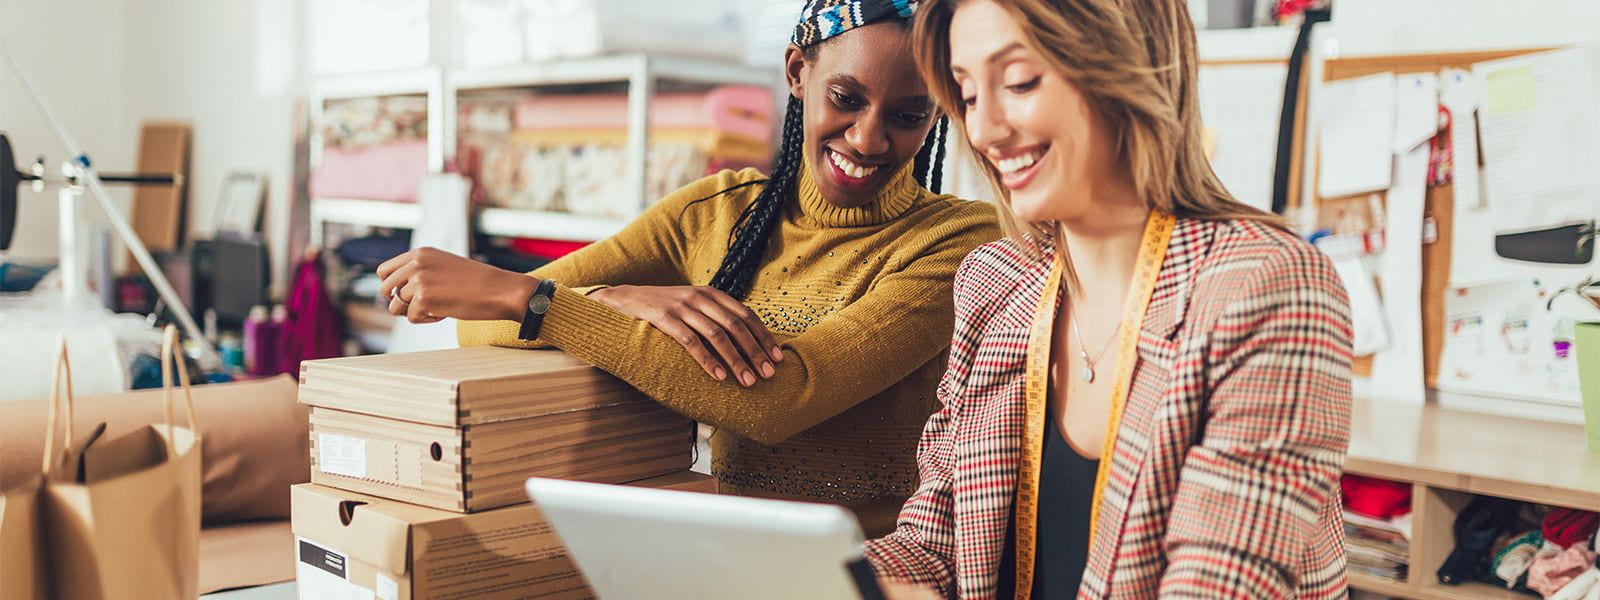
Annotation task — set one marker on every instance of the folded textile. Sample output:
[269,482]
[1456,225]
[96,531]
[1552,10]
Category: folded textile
[742,110]
[1566,526]
[1580,587]
[1549,573]
[389,171]
[1477,528]
[1377,498]
[1513,560]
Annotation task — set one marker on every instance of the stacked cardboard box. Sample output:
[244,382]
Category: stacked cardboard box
[418,462]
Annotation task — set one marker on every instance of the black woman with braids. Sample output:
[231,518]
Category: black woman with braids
[817,299]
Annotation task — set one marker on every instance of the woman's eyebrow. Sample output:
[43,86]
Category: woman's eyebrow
[848,81]
[994,57]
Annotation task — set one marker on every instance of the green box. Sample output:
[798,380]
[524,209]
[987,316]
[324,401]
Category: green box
[1588,347]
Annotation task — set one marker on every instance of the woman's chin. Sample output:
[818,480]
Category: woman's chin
[1033,209]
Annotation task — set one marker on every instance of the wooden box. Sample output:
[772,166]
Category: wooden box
[352,545]
[461,430]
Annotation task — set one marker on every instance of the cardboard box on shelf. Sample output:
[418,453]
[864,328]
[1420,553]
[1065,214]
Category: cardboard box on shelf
[353,545]
[462,429]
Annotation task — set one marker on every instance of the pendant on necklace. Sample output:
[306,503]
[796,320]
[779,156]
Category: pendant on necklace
[1088,374]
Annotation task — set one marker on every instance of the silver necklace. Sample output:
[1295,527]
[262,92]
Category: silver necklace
[1088,364]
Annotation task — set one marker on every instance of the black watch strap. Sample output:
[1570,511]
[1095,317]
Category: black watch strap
[538,305]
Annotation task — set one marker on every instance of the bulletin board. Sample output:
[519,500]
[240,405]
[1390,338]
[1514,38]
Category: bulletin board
[1297,153]
[1439,205]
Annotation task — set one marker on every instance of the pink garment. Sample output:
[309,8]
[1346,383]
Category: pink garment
[741,110]
[390,171]
[312,330]
[1551,572]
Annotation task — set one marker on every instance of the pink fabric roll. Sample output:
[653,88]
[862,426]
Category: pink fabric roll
[390,171]
[739,110]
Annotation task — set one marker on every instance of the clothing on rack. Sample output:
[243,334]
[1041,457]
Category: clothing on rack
[312,331]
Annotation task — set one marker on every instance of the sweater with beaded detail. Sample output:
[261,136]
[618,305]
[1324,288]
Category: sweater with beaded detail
[859,300]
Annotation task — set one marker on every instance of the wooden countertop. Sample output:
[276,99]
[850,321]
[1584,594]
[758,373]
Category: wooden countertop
[1521,459]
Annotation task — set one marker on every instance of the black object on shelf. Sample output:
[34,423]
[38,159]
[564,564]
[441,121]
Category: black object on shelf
[230,275]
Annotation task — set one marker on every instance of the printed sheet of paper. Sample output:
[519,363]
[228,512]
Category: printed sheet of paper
[1501,341]
[1366,309]
[1416,110]
[1541,152]
[1397,372]
[1357,135]
[1242,105]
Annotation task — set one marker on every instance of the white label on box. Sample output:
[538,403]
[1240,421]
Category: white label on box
[387,588]
[342,455]
[323,574]
[320,572]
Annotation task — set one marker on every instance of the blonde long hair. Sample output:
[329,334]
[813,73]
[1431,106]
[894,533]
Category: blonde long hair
[1135,61]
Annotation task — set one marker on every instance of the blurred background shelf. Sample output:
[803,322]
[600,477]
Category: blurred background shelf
[500,222]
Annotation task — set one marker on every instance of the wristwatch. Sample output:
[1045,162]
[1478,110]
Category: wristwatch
[538,305]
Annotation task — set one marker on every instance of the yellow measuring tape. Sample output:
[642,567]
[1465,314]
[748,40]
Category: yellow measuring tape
[1152,251]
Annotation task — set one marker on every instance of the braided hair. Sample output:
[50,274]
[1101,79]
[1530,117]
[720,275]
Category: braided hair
[748,240]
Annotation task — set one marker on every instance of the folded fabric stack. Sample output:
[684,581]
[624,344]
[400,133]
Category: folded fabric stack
[1377,526]
[1532,549]
[373,149]
[1378,547]
[567,152]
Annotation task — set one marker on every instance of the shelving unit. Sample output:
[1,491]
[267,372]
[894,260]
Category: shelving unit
[443,86]
[1448,456]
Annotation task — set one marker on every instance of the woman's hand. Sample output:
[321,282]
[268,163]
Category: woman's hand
[696,316]
[428,284]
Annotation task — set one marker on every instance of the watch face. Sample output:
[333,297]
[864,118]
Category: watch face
[539,304]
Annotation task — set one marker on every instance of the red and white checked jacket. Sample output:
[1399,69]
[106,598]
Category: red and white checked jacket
[1225,478]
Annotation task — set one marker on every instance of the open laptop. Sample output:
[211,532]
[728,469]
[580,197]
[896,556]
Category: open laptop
[635,542]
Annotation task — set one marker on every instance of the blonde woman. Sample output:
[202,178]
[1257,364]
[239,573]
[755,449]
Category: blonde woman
[1148,391]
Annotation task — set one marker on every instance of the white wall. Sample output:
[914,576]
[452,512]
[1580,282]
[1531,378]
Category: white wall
[73,51]
[232,69]
[1367,27]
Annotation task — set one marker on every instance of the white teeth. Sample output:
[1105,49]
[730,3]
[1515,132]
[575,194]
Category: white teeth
[850,168]
[1011,165]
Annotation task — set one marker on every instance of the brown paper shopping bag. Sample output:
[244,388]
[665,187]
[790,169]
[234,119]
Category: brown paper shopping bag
[123,521]
[22,549]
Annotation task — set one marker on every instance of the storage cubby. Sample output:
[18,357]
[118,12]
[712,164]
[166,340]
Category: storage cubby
[1450,456]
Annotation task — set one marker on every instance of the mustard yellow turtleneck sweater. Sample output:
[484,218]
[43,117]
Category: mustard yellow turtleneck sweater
[858,298]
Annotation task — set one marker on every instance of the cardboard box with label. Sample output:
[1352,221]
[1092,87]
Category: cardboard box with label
[351,545]
[462,429]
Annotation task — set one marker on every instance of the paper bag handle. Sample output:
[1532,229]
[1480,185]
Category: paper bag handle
[171,349]
[58,402]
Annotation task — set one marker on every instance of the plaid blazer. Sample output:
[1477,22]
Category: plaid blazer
[1225,478]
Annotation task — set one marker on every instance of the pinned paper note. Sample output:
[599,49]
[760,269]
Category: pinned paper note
[1502,339]
[1240,105]
[1416,110]
[1397,370]
[1509,89]
[1541,157]
[1366,310]
[1357,132]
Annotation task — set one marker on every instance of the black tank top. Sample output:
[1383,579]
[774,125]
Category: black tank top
[1066,497]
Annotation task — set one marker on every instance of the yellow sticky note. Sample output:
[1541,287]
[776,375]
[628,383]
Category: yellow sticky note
[1510,89]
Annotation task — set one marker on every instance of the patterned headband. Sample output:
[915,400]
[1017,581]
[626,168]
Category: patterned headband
[821,20]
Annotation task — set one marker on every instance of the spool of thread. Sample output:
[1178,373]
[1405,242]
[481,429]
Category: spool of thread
[232,353]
